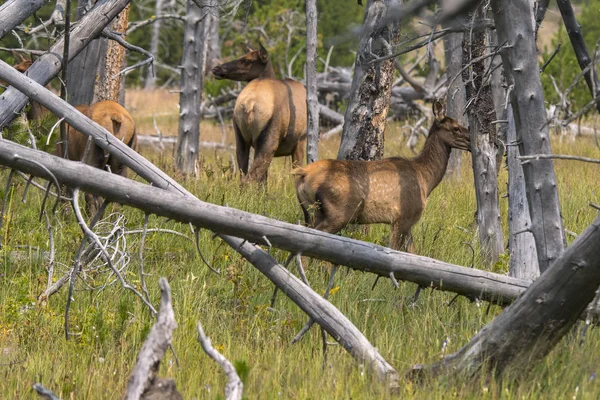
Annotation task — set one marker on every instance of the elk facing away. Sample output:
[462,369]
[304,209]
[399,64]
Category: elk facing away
[115,119]
[391,191]
[269,114]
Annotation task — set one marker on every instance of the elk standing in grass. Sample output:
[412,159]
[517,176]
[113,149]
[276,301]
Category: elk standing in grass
[391,191]
[269,114]
[115,119]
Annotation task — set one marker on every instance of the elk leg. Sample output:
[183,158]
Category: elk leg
[298,155]
[401,237]
[266,146]
[242,150]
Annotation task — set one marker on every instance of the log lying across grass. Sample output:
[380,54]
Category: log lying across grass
[340,250]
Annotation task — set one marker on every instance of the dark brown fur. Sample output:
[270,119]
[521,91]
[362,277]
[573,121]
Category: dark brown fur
[36,111]
[269,114]
[392,191]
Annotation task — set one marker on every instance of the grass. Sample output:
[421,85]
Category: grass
[110,324]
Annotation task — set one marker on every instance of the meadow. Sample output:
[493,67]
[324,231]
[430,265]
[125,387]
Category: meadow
[109,325]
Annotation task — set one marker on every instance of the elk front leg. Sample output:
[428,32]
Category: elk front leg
[265,149]
[401,237]
[298,154]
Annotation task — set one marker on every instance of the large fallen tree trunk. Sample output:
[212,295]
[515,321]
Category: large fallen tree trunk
[12,13]
[531,327]
[340,250]
[47,66]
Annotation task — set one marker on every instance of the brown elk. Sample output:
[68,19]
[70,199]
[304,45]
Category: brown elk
[114,118]
[269,113]
[391,191]
[36,111]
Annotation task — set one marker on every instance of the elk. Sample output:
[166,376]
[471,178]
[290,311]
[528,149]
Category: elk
[391,191]
[36,111]
[269,114]
[115,119]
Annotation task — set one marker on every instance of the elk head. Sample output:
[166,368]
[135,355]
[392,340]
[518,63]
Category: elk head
[23,62]
[452,133]
[254,64]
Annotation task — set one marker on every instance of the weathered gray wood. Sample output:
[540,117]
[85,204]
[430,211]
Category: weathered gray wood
[531,327]
[579,47]
[101,136]
[523,255]
[339,250]
[195,42]
[234,388]
[153,350]
[319,309]
[47,66]
[150,80]
[312,102]
[481,114]
[513,20]
[330,115]
[368,105]
[455,94]
[13,12]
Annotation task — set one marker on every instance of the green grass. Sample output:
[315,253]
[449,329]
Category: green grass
[110,324]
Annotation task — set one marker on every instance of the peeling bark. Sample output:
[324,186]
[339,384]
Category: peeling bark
[365,119]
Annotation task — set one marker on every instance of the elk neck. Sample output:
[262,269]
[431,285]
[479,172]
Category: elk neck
[268,72]
[433,160]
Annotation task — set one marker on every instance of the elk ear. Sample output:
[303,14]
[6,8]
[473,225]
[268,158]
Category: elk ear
[439,110]
[19,57]
[246,47]
[262,53]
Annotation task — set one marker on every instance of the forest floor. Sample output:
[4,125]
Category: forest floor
[109,325]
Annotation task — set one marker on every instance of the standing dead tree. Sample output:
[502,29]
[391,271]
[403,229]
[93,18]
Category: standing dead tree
[481,114]
[312,103]
[515,28]
[521,244]
[366,113]
[195,41]
[150,80]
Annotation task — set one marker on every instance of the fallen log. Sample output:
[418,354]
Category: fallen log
[12,13]
[340,250]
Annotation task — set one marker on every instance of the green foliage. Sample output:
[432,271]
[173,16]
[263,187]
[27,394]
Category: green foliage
[564,68]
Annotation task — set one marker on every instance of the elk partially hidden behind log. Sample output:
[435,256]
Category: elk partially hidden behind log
[114,118]
[391,191]
[36,111]
[269,114]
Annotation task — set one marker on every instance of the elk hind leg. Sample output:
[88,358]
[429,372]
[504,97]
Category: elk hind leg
[242,150]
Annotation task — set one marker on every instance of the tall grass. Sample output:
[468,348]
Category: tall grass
[109,325]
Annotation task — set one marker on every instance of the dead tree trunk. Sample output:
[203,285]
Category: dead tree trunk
[521,244]
[368,105]
[514,25]
[47,66]
[12,13]
[581,52]
[530,328]
[481,114]
[197,25]
[150,80]
[108,83]
[455,95]
[312,102]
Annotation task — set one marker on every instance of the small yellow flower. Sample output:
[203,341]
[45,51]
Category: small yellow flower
[334,290]
[220,347]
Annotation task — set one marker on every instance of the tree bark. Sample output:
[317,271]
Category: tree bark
[455,94]
[312,102]
[13,12]
[530,328]
[47,66]
[581,52]
[108,83]
[481,114]
[197,26]
[365,118]
[513,20]
[150,81]
[523,255]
